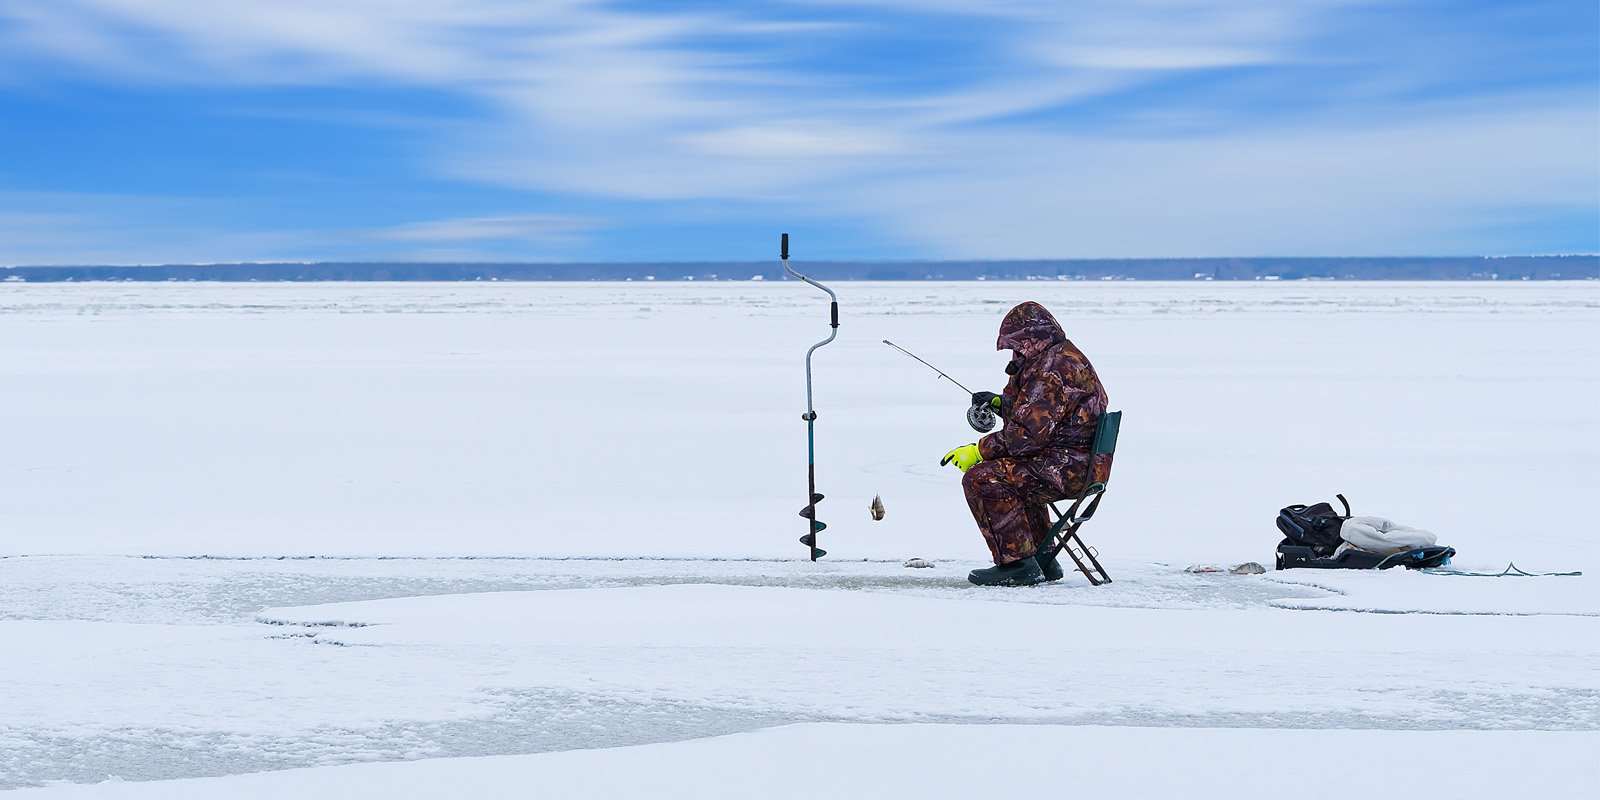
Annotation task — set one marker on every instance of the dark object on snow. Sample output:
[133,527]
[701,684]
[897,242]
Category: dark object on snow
[1018,573]
[1312,540]
[1291,556]
[1314,527]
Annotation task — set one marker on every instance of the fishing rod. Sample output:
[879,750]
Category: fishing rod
[980,415]
[929,366]
[813,527]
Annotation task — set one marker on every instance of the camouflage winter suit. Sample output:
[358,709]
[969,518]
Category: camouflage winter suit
[1050,407]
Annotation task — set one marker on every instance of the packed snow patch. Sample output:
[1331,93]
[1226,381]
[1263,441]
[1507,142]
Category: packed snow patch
[805,762]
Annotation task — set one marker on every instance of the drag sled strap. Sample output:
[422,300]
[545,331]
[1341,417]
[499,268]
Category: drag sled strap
[1511,570]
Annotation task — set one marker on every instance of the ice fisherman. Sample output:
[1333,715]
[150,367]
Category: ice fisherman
[1051,405]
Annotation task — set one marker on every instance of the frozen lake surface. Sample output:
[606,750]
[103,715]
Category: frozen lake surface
[250,528]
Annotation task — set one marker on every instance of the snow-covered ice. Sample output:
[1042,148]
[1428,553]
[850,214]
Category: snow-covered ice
[501,527]
[838,760]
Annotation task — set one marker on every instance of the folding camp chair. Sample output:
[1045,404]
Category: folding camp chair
[1064,532]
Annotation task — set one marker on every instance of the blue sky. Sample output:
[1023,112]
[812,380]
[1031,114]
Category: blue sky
[151,131]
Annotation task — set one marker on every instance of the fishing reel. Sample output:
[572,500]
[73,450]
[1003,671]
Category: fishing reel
[981,417]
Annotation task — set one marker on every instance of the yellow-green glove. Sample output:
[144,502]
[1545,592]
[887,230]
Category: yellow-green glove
[963,457]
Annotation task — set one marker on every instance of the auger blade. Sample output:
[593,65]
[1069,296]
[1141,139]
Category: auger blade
[810,511]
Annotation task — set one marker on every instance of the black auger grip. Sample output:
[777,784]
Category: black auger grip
[835,307]
[785,252]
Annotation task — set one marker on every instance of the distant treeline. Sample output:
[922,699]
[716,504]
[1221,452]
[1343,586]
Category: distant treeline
[1151,269]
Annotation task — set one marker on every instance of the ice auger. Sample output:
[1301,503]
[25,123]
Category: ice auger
[813,526]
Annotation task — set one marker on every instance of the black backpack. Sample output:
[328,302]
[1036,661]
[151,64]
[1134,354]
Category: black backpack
[1316,527]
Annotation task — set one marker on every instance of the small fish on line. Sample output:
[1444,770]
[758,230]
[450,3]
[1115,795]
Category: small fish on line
[877,507]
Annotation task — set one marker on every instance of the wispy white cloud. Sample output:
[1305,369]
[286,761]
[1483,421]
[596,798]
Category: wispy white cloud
[44,229]
[606,101]
[1410,187]
[60,228]
[582,65]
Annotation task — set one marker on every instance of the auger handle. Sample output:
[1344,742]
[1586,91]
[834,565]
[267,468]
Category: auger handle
[785,253]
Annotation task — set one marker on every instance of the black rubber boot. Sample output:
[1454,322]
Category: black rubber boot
[1017,573]
[1050,567]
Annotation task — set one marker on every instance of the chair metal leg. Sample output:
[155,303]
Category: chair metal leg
[1080,553]
[1064,536]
